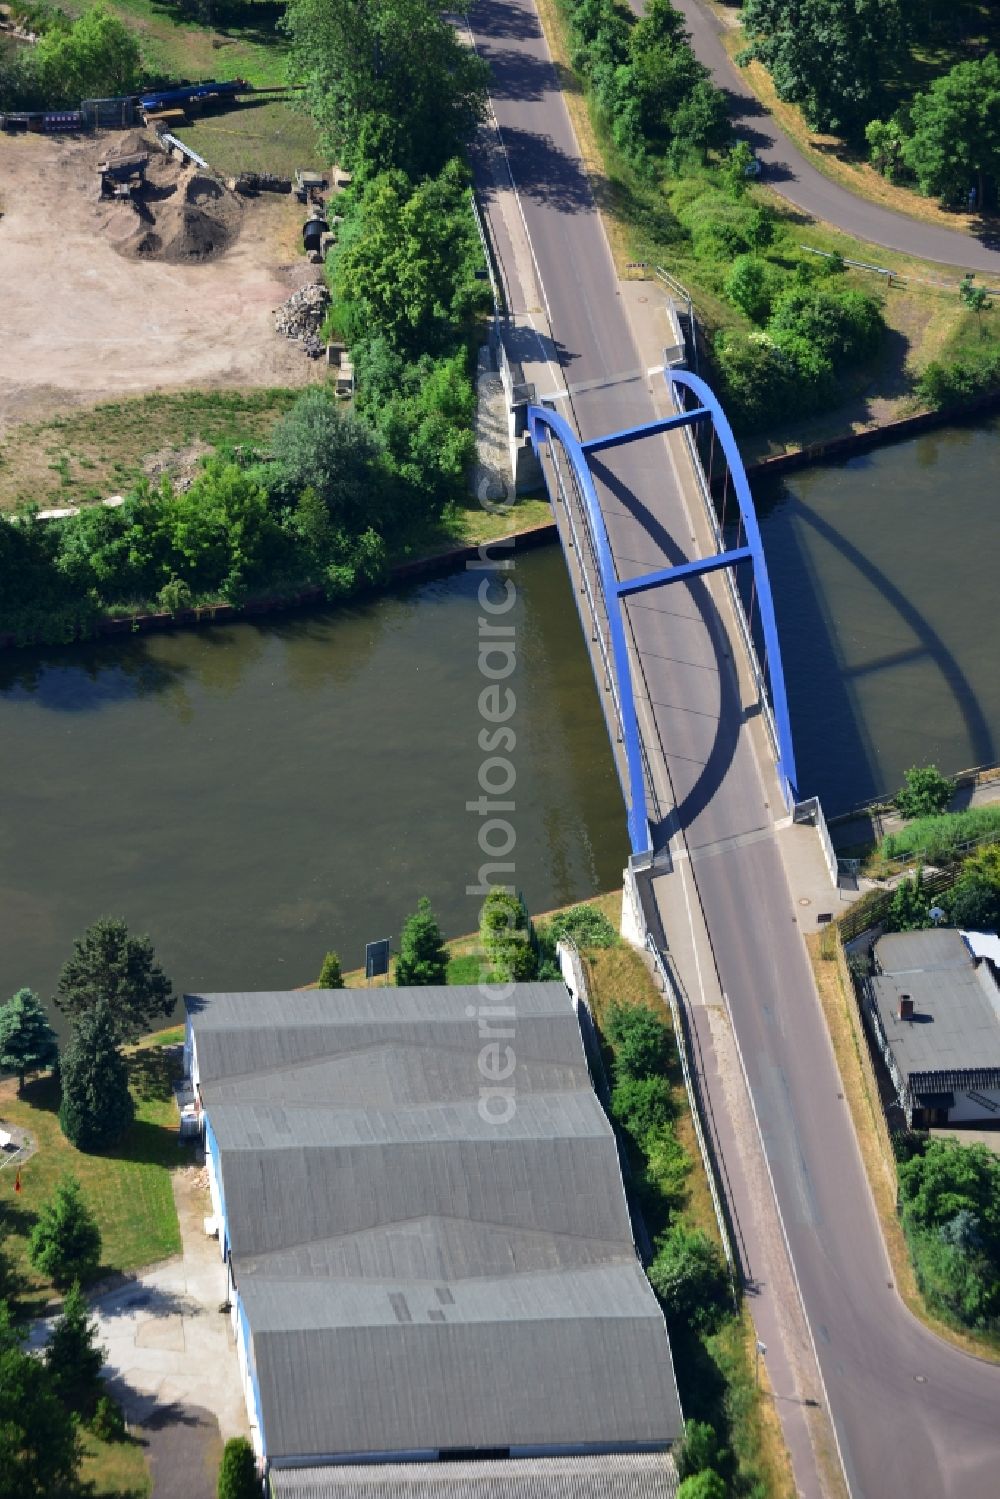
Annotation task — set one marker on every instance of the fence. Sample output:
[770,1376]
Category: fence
[871,910]
[109,114]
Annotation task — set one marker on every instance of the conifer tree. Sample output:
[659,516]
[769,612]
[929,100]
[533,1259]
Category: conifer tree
[96,1107]
[27,1041]
[423,958]
[65,1243]
[73,1357]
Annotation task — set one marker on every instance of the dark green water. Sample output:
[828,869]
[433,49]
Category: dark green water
[885,571]
[254,794]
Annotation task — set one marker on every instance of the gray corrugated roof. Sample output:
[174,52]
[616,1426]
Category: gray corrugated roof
[278,1197]
[618,1476]
[480,1385]
[956,1004]
[413,1275]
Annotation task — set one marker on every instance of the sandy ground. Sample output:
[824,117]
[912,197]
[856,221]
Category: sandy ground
[80,322]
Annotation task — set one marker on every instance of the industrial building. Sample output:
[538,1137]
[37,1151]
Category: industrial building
[933,1004]
[430,1256]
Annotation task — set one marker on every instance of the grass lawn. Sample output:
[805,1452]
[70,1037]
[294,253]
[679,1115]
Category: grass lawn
[117,1470]
[97,451]
[128,1189]
[258,135]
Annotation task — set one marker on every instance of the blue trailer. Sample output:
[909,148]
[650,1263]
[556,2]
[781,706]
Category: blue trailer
[174,97]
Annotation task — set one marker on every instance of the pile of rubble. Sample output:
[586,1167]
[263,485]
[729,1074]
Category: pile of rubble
[301,317]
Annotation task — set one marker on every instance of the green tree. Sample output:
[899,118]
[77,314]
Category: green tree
[330,454]
[640,1040]
[111,966]
[643,1106]
[689,1275]
[405,265]
[738,168]
[506,934]
[885,146]
[976,298]
[946,1179]
[954,141]
[973,904]
[829,56]
[909,908]
[668,1167]
[96,1106]
[97,57]
[423,958]
[65,1242]
[700,1449]
[73,1356]
[238,1477]
[925,792]
[330,975]
[27,1041]
[389,82]
[39,1448]
[751,286]
[704,1485]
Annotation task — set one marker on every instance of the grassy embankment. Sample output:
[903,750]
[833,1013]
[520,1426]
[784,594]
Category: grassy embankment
[850,1046]
[925,317]
[917,65]
[268,135]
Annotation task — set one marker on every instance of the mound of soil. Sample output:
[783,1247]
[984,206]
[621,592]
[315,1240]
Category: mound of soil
[181,216]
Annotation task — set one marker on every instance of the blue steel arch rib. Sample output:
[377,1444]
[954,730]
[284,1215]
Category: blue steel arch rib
[543,423]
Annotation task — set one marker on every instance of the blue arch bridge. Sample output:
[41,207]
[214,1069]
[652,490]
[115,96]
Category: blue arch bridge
[686,668]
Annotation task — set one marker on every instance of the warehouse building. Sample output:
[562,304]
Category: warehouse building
[933,1005]
[430,1254]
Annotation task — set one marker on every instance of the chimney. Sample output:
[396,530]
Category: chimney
[905,1007]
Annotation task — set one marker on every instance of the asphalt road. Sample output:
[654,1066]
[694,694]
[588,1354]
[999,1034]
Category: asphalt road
[791,175]
[915,1418]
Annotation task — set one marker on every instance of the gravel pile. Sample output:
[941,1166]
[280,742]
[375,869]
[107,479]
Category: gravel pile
[301,317]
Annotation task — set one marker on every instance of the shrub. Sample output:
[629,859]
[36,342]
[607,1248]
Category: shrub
[843,327]
[640,1039]
[65,1243]
[238,1471]
[642,1106]
[704,1485]
[700,1449]
[925,792]
[689,1275]
[751,286]
[973,904]
[757,378]
[586,925]
[507,937]
[330,975]
[668,1167]
[909,908]
[108,1420]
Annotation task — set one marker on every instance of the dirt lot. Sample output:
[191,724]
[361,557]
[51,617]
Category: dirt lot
[85,320]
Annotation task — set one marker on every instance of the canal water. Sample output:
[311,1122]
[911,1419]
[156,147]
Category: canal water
[884,571]
[254,794]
